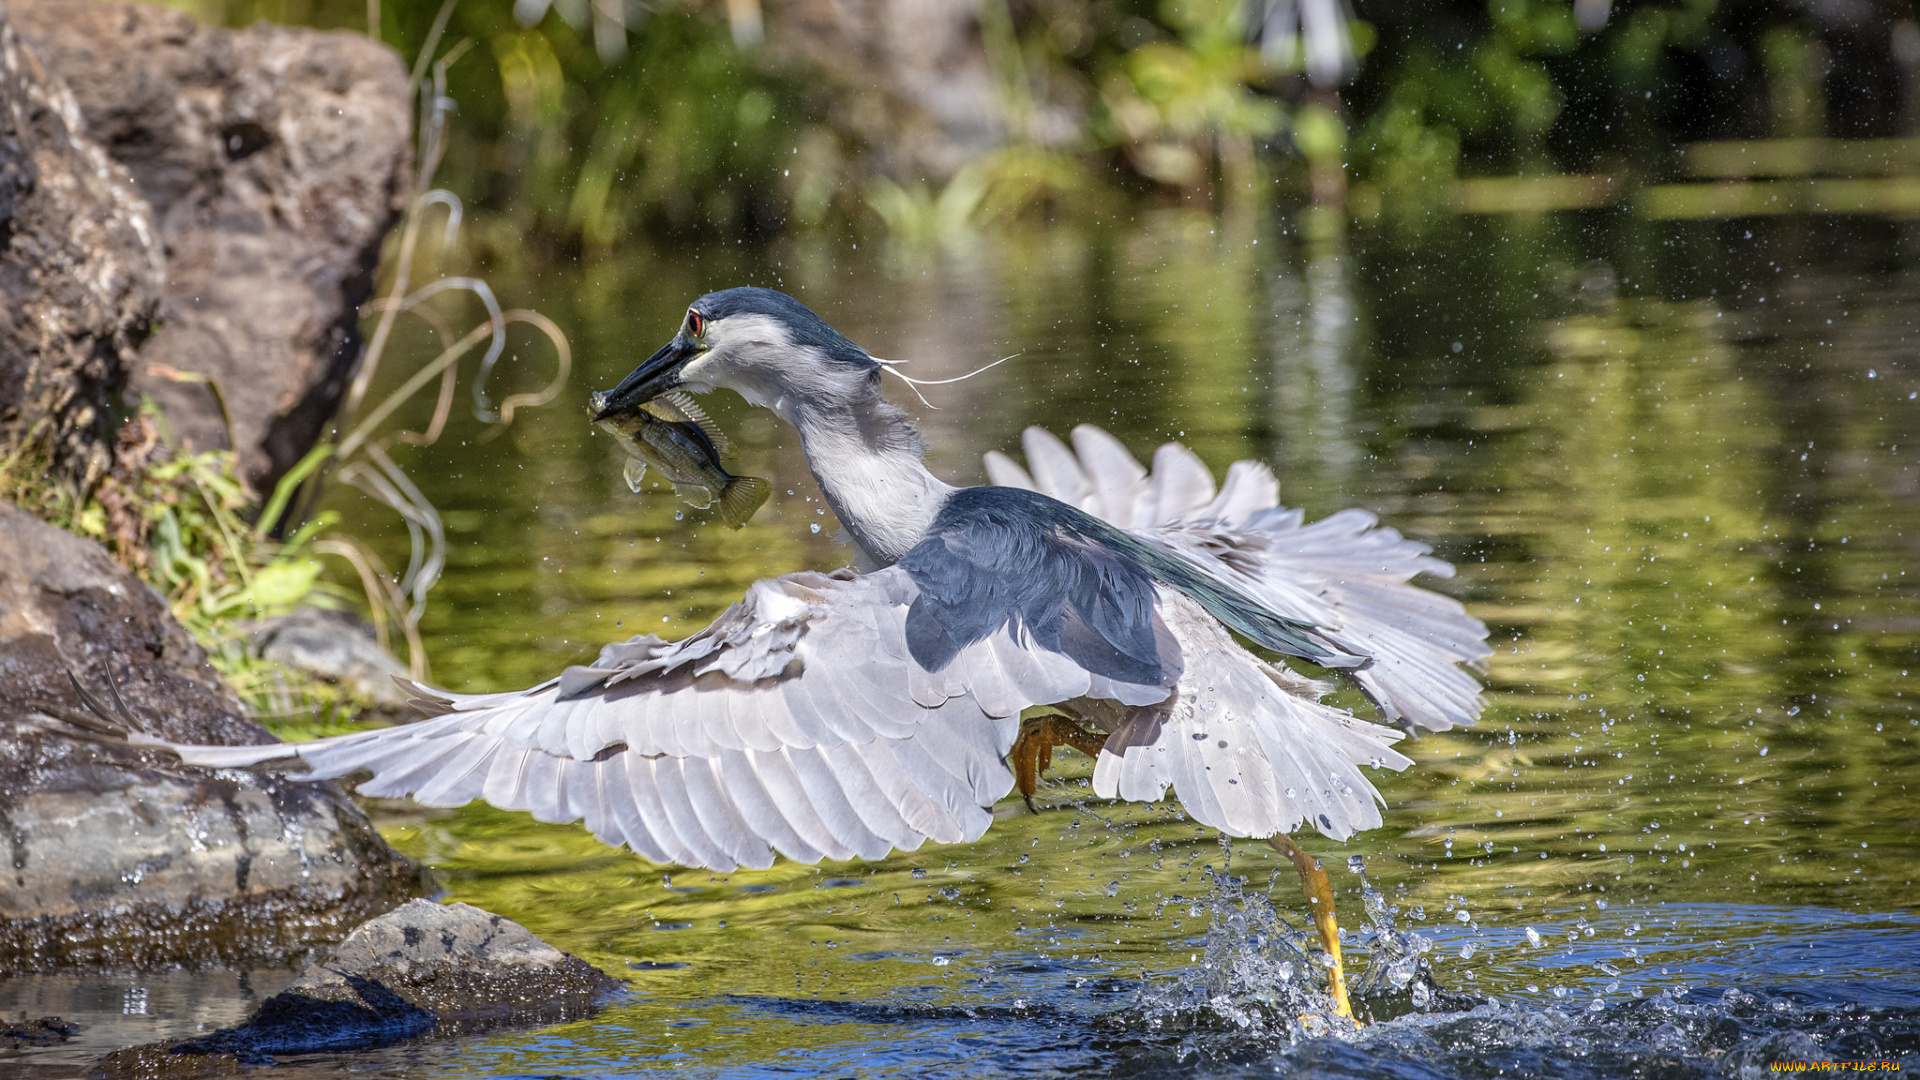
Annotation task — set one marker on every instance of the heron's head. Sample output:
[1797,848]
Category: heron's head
[763,344]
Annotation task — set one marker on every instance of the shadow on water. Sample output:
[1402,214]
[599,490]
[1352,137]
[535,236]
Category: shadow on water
[1675,465]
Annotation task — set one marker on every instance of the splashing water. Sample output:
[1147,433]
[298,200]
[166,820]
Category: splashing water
[1257,976]
[1263,978]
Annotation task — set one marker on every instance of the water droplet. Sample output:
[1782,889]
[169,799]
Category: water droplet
[938,961]
[1400,972]
[1467,950]
[1356,864]
[1462,916]
[815,527]
[1421,995]
[1533,937]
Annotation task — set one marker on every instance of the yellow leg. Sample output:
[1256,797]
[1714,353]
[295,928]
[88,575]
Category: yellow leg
[1319,893]
[1032,752]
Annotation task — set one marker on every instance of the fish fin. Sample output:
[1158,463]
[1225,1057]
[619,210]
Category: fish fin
[669,406]
[743,497]
[694,495]
[634,473]
[679,407]
[698,417]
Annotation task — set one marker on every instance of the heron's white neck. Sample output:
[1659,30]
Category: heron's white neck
[865,453]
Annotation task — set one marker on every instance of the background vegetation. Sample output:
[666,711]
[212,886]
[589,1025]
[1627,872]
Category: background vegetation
[583,125]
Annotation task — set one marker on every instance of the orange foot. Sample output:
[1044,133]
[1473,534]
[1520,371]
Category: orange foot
[1032,752]
[1319,895]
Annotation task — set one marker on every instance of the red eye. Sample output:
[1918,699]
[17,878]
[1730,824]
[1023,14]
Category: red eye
[696,325]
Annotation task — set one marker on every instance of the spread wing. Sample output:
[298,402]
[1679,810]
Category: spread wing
[843,715]
[1345,574]
[798,722]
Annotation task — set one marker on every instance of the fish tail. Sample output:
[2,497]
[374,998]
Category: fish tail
[742,497]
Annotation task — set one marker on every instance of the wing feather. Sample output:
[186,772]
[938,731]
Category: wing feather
[1055,469]
[869,797]
[923,815]
[459,781]
[1119,481]
[720,817]
[504,778]
[830,800]
[790,795]
[1002,472]
[418,763]
[586,798]
[1345,573]
[648,805]
[670,784]
[544,788]
[1181,484]
[765,815]
[632,827]
[950,790]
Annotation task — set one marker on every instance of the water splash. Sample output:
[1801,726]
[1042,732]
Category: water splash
[1255,977]
[1262,978]
[1396,959]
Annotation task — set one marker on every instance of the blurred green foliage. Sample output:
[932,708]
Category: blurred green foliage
[687,122]
[1496,87]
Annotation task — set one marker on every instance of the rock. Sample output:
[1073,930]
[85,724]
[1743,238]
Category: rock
[275,159]
[80,269]
[471,968]
[425,968]
[124,856]
[45,1031]
[335,647]
[911,79]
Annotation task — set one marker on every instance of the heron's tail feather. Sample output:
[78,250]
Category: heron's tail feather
[742,498]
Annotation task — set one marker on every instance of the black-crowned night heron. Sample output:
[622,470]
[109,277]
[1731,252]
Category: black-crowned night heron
[845,714]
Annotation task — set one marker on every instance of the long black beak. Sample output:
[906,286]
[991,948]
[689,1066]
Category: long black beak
[656,375]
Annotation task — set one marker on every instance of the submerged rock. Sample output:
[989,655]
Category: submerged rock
[45,1031]
[425,968]
[338,648]
[124,856]
[275,160]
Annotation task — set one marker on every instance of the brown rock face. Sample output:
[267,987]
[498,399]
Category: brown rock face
[120,856]
[275,160]
[80,273]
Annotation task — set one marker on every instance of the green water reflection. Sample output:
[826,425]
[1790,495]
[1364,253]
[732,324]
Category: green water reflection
[1674,464]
